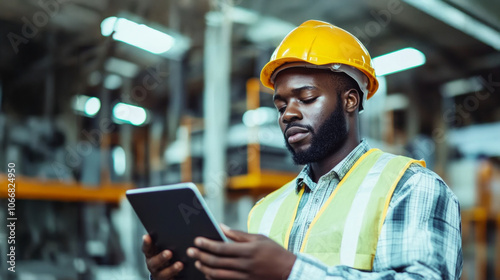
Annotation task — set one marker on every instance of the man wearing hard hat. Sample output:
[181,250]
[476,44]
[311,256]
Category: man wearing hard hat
[353,212]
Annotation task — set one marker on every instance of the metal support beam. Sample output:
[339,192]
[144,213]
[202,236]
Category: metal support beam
[50,80]
[126,141]
[176,77]
[216,105]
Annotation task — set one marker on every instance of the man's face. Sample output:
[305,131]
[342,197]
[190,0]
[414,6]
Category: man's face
[311,113]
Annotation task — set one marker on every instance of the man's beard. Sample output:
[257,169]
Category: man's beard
[326,141]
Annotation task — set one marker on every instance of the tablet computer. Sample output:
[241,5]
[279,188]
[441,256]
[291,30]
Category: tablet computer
[174,215]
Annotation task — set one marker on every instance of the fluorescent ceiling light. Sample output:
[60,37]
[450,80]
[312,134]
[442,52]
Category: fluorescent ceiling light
[130,114]
[92,106]
[113,81]
[397,61]
[260,116]
[122,67]
[459,20]
[179,150]
[461,86]
[243,16]
[119,160]
[138,35]
[396,101]
[87,105]
[269,29]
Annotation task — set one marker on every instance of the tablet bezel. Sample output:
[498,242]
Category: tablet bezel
[175,187]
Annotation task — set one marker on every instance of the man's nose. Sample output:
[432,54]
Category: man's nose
[292,113]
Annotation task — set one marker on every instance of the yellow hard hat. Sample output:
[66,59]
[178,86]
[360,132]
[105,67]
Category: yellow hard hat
[318,44]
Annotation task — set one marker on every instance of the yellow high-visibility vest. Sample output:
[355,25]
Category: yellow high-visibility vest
[345,231]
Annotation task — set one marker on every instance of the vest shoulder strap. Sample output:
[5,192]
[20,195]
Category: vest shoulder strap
[353,215]
[256,213]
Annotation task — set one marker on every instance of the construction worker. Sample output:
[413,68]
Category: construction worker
[353,212]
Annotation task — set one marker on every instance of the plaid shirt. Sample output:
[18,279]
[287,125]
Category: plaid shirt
[420,238]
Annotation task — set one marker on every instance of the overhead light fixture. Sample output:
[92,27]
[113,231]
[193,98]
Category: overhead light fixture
[122,67]
[459,20]
[260,116]
[243,16]
[269,29]
[86,105]
[131,114]
[396,101]
[113,81]
[92,106]
[461,86]
[397,61]
[119,160]
[138,35]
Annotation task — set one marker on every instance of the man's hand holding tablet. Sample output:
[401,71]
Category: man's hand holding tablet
[173,216]
[184,242]
[159,265]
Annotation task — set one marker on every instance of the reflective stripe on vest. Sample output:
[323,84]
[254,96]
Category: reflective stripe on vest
[346,228]
[357,212]
[266,218]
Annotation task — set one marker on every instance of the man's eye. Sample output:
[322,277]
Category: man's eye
[309,100]
[282,109]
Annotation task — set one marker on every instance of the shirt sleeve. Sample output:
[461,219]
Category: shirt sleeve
[420,238]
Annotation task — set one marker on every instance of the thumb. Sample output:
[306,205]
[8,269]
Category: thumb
[236,235]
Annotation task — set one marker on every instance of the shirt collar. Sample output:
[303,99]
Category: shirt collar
[338,171]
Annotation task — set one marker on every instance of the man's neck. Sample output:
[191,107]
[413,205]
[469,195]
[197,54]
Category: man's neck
[322,167]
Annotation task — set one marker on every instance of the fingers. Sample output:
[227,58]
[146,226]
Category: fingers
[216,261]
[158,262]
[159,267]
[222,248]
[236,235]
[168,272]
[147,246]
[217,273]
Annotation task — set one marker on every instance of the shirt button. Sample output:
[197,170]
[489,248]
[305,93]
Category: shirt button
[316,200]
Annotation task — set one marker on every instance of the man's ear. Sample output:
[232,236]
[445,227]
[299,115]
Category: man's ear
[352,100]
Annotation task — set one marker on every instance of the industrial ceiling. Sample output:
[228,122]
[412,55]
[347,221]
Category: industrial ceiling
[63,37]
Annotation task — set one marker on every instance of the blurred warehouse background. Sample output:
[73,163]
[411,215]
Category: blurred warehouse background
[99,96]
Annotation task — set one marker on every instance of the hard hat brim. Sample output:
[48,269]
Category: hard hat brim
[268,71]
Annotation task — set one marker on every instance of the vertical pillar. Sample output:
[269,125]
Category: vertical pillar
[126,138]
[104,117]
[175,78]
[440,135]
[413,116]
[156,166]
[177,96]
[49,101]
[217,62]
